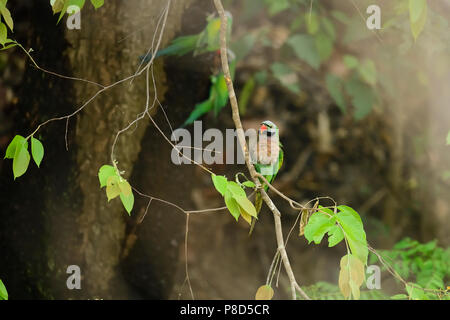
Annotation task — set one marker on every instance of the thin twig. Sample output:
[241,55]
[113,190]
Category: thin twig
[203,211]
[54,73]
[186,256]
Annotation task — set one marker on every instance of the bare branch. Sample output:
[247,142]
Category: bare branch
[251,169]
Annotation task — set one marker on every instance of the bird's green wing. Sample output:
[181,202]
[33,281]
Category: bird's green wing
[270,179]
[278,166]
[220,92]
[181,45]
[178,47]
[280,158]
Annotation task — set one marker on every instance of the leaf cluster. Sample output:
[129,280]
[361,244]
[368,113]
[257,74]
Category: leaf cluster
[8,21]
[342,224]
[116,186]
[235,198]
[18,151]
[424,265]
[62,6]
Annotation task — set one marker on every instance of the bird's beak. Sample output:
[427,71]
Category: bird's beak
[263,128]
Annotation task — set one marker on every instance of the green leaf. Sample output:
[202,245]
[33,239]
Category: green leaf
[261,77]
[128,202]
[9,45]
[235,189]
[7,16]
[232,205]
[21,159]
[362,96]
[3,292]
[112,187]
[264,292]
[11,150]
[430,277]
[324,45]
[340,16]
[243,46]
[305,213]
[247,205]
[399,297]
[124,187]
[326,210]
[277,6]
[286,76]
[220,183]
[58,5]
[417,16]
[328,26]
[37,151]
[245,216]
[406,243]
[97,3]
[416,7]
[104,173]
[352,212]
[249,184]
[416,292]
[335,88]
[305,49]
[319,223]
[356,30]
[77,3]
[350,61]
[368,71]
[312,22]
[3,34]
[335,235]
[353,229]
[63,10]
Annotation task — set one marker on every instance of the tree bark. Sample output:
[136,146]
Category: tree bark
[57,215]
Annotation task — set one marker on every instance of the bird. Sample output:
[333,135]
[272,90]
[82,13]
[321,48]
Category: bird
[218,97]
[267,158]
[207,40]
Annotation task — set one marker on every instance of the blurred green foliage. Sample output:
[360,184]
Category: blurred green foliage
[423,265]
[318,33]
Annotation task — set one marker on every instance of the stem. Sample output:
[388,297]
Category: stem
[251,169]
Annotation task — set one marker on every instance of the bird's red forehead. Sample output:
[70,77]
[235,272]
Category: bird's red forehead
[263,127]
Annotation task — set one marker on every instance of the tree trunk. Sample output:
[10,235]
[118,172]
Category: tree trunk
[57,215]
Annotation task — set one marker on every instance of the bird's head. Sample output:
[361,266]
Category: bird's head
[268,128]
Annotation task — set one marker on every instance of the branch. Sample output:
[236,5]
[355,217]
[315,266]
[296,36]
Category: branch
[241,137]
